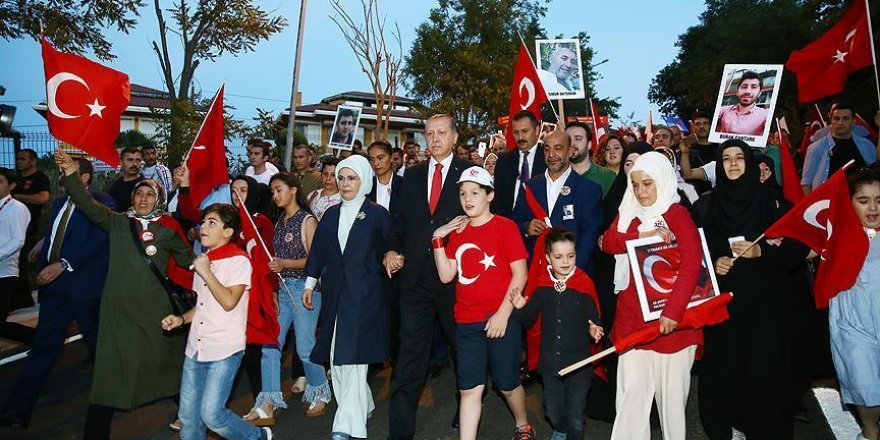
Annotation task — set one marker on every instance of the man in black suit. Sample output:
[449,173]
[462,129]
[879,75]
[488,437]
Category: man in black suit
[386,184]
[515,167]
[430,196]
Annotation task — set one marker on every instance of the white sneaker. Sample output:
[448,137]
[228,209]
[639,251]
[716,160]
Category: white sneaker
[267,433]
[737,435]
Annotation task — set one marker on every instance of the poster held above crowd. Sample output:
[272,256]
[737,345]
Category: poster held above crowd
[345,127]
[559,68]
[746,101]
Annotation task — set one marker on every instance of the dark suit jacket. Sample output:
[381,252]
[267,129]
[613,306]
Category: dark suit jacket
[585,219]
[507,177]
[394,204]
[355,290]
[84,247]
[414,224]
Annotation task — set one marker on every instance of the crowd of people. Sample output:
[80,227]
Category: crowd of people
[513,262]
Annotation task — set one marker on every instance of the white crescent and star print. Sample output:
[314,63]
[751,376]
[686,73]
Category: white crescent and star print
[52,86]
[487,262]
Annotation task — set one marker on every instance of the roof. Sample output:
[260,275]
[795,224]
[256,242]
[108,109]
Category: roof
[142,96]
[369,98]
[331,110]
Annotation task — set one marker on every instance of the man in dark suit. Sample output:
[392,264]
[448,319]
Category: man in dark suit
[517,166]
[430,197]
[74,256]
[386,184]
[570,200]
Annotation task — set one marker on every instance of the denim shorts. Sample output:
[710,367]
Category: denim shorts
[479,356]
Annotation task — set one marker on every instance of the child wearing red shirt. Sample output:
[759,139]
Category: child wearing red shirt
[488,257]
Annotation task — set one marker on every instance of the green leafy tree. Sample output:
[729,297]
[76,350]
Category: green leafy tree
[753,32]
[133,138]
[73,26]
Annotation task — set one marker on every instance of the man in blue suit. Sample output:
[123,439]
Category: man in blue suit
[74,256]
[571,201]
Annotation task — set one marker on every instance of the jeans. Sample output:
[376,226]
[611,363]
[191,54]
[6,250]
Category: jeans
[305,324]
[204,389]
[565,402]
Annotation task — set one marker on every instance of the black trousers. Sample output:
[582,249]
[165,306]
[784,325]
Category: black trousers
[429,300]
[565,401]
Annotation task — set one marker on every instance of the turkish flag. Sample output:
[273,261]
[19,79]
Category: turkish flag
[598,128]
[85,101]
[526,92]
[262,323]
[816,123]
[858,120]
[826,222]
[791,183]
[207,157]
[823,65]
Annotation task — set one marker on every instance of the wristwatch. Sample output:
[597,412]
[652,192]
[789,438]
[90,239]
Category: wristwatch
[65,265]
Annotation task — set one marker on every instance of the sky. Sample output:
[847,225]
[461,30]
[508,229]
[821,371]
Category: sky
[636,36]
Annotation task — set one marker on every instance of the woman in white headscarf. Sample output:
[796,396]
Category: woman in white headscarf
[660,369]
[354,329]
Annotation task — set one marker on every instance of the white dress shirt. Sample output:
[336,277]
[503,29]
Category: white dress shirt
[443,171]
[14,219]
[383,193]
[554,187]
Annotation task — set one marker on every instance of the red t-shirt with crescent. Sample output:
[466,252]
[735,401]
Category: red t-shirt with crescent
[484,254]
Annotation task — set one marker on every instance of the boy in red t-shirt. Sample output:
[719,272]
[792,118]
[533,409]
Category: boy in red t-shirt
[487,254]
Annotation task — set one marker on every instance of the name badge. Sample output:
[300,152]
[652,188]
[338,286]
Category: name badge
[568,212]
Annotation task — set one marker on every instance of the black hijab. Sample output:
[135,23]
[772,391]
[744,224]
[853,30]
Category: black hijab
[743,206]
[252,200]
[770,183]
[615,194]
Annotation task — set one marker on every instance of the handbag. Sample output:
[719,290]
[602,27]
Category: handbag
[181,298]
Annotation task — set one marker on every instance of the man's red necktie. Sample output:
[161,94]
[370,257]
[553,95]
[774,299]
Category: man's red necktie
[436,186]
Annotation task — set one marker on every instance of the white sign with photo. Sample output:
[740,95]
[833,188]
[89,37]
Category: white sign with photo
[746,101]
[345,127]
[559,68]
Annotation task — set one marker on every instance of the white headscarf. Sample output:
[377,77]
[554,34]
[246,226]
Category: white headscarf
[350,209]
[660,169]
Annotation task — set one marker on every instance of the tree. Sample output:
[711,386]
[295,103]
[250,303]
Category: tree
[367,41]
[206,30]
[739,31]
[133,138]
[463,58]
[72,25]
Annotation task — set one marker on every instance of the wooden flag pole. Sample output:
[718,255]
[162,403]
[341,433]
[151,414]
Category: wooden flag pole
[873,51]
[560,118]
[819,112]
[587,361]
[760,237]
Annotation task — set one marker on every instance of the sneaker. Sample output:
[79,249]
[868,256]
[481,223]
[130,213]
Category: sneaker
[737,435]
[525,432]
[266,434]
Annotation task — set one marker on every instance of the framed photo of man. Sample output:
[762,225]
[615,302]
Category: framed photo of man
[746,101]
[654,265]
[345,127]
[559,68]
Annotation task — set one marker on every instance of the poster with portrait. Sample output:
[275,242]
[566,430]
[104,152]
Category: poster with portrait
[654,265]
[746,101]
[559,68]
[345,127]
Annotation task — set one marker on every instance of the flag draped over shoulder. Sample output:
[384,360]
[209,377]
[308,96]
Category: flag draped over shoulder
[262,323]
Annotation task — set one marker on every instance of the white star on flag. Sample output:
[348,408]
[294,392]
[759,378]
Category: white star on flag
[839,58]
[487,261]
[96,108]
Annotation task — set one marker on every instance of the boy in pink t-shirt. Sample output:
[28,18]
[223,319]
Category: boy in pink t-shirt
[488,257]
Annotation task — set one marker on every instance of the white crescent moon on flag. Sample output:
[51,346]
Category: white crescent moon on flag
[813,211]
[530,87]
[251,244]
[458,254]
[649,272]
[52,87]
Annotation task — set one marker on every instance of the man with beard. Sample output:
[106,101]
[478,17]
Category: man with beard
[569,200]
[130,175]
[517,166]
[582,141]
[558,76]
[744,117]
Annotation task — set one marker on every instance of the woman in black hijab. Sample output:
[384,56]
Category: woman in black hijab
[743,376]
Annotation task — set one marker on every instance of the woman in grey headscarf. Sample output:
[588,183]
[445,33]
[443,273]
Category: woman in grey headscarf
[354,331]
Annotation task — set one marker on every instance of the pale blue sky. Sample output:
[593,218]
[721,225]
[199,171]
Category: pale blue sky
[636,36]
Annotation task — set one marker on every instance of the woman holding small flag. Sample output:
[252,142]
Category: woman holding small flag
[852,315]
[744,379]
[660,369]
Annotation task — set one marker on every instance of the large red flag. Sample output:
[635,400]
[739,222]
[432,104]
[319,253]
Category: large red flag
[207,157]
[526,92]
[823,65]
[262,321]
[791,183]
[76,85]
[826,222]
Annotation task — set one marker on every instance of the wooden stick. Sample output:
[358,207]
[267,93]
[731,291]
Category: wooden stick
[587,361]
[760,237]
[561,117]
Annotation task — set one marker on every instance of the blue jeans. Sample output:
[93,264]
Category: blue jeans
[305,324]
[204,389]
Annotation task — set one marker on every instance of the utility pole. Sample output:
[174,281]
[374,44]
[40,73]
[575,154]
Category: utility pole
[288,151]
